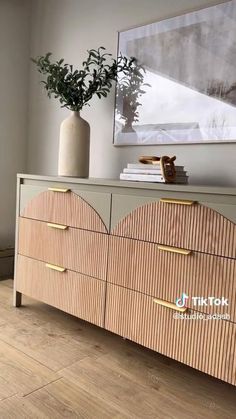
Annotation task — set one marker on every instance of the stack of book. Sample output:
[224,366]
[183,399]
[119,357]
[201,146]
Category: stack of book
[151,173]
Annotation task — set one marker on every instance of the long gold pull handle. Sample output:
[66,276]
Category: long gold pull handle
[63,190]
[174,249]
[172,306]
[55,267]
[58,226]
[177,201]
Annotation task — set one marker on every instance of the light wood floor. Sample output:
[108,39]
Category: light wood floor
[53,365]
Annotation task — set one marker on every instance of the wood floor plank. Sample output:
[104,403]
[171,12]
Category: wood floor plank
[35,407]
[7,283]
[55,366]
[15,408]
[107,381]
[53,345]
[74,399]
[45,334]
[170,378]
[155,371]
[48,347]
[21,373]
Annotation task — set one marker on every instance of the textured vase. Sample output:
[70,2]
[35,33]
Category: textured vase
[74,147]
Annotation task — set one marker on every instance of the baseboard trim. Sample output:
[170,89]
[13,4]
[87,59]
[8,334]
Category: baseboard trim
[6,263]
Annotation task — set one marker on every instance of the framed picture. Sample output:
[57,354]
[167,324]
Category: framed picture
[182,88]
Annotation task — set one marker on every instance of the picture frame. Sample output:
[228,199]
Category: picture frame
[186,90]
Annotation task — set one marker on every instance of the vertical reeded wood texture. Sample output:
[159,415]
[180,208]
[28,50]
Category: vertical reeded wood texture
[74,293]
[208,346]
[136,272]
[141,266]
[64,208]
[75,249]
[194,227]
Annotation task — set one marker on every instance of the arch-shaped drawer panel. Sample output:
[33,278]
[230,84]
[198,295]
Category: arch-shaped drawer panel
[194,227]
[64,208]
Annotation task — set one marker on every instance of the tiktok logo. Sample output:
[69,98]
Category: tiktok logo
[180,302]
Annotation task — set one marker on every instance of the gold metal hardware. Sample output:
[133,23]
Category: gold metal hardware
[59,190]
[172,306]
[174,249]
[58,226]
[55,267]
[177,201]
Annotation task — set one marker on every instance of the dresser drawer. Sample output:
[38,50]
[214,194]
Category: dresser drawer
[190,226]
[75,249]
[69,291]
[159,271]
[208,346]
[62,206]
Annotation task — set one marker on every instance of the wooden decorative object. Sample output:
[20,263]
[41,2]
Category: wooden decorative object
[166,164]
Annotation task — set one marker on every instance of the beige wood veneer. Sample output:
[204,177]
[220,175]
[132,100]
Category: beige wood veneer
[79,250]
[194,227]
[167,275]
[69,291]
[208,346]
[64,208]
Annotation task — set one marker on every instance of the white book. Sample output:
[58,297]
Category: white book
[149,166]
[142,178]
[150,178]
[156,171]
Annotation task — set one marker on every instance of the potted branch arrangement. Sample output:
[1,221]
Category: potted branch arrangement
[75,89]
[129,89]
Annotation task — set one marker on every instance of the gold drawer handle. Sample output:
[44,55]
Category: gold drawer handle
[58,226]
[174,250]
[172,306]
[63,190]
[177,201]
[55,267]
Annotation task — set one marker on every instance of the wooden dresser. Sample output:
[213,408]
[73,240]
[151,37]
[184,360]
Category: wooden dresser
[119,254]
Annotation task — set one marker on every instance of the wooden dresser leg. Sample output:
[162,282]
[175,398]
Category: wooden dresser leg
[17,299]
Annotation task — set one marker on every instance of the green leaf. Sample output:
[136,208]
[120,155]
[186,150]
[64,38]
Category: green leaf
[75,89]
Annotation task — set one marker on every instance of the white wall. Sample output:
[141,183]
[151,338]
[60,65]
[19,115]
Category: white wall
[68,28]
[14,77]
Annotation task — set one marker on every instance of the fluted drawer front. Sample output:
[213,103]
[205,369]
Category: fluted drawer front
[208,346]
[195,227]
[69,291]
[75,249]
[64,207]
[160,272]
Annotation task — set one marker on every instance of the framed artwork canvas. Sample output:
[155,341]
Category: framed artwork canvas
[184,88]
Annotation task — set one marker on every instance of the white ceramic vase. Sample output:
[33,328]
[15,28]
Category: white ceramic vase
[74,147]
